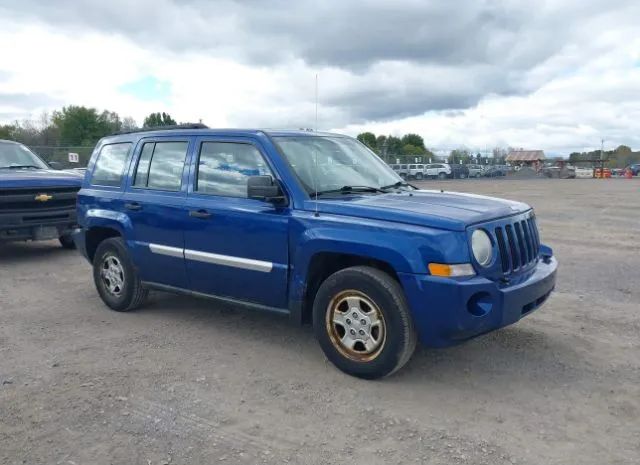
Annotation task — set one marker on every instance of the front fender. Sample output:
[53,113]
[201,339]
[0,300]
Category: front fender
[405,248]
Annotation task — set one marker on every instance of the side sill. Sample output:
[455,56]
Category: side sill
[226,300]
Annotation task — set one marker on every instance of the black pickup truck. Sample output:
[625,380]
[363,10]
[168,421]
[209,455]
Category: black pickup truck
[36,201]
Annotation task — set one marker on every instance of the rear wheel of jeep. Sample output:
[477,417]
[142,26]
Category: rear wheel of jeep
[362,322]
[115,277]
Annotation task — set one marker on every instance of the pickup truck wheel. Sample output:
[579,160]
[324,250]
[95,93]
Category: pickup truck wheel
[115,277]
[362,322]
[66,242]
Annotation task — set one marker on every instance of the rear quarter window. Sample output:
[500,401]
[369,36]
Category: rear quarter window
[110,164]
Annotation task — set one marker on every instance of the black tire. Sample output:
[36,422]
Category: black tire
[131,294]
[66,242]
[442,175]
[399,340]
[419,176]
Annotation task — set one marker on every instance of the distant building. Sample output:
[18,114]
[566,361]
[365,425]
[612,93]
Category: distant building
[531,158]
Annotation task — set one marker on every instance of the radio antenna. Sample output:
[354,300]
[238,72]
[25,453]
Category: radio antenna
[315,154]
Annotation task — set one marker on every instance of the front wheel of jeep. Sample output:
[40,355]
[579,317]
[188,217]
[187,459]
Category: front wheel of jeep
[362,322]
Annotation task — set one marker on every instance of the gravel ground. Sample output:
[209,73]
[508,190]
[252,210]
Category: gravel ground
[183,381]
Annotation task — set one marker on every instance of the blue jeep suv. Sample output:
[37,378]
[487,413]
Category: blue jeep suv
[313,226]
[36,202]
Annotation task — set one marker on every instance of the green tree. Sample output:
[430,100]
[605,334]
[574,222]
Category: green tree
[6,131]
[158,119]
[394,145]
[368,139]
[410,149]
[574,157]
[414,141]
[459,156]
[78,125]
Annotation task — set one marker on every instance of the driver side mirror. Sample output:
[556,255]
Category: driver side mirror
[55,165]
[264,188]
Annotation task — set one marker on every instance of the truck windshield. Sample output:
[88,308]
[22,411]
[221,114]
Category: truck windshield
[18,156]
[333,164]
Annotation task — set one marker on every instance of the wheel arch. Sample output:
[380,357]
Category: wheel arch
[97,234]
[103,224]
[323,264]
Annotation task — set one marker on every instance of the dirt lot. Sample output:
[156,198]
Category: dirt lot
[185,382]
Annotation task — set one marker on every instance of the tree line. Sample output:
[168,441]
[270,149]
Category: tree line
[80,126]
[410,148]
[621,157]
[76,126]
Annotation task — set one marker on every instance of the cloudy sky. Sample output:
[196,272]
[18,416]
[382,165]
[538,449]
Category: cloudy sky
[556,75]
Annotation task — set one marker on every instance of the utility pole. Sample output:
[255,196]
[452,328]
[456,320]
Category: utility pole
[602,158]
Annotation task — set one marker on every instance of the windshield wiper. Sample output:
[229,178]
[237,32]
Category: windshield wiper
[350,190]
[397,185]
[15,167]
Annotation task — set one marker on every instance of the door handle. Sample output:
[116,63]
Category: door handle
[133,206]
[202,214]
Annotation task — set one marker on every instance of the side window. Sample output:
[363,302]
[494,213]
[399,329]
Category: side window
[224,167]
[142,172]
[109,166]
[161,165]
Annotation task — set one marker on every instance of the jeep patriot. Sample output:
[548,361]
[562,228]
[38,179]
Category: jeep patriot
[313,226]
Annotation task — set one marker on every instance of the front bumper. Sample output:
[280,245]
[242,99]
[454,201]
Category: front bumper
[40,225]
[449,311]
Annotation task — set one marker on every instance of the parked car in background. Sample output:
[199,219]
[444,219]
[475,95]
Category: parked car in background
[402,170]
[635,169]
[337,239]
[494,171]
[416,172]
[459,171]
[36,201]
[475,171]
[437,170]
[562,171]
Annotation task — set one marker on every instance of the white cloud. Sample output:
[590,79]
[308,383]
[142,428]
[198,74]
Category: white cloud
[559,78]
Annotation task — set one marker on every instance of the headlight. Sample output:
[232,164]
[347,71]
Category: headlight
[481,247]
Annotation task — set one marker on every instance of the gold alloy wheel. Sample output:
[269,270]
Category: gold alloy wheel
[355,326]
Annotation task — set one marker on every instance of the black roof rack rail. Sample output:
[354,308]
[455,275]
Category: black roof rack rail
[164,128]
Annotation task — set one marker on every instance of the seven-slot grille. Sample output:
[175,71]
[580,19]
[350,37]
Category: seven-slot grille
[24,199]
[518,244]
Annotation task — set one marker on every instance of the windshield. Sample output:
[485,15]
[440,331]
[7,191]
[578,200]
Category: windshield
[333,163]
[18,156]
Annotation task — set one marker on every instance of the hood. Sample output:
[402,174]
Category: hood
[444,210]
[39,178]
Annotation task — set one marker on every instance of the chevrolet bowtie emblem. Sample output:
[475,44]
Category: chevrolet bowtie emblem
[43,197]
